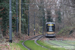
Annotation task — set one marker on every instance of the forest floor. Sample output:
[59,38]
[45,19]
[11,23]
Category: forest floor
[7,46]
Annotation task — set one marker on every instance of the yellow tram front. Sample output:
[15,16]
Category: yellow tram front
[50,29]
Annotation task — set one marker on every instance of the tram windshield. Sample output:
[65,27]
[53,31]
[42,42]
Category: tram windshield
[50,28]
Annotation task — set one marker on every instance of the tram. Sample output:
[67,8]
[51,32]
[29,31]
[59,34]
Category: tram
[50,29]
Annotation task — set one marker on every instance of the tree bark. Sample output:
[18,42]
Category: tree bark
[19,16]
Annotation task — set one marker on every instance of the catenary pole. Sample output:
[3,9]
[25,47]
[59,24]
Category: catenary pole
[28,21]
[22,16]
[34,23]
[17,16]
[43,25]
[10,21]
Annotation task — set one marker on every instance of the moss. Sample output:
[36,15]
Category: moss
[33,46]
[49,46]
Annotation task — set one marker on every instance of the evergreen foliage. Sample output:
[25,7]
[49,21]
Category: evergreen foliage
[59,16]
[42,13]
[25,9]
[4,14]
[49,19]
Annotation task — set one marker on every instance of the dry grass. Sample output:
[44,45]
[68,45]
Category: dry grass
[6,46]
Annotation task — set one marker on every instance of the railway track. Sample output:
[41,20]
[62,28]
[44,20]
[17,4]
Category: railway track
[60,42]
[39,39]
[66,43]
[25,46]
[33,38]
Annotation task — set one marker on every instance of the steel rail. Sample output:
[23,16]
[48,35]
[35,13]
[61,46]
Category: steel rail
[61,41]
[65,43]
[38,43]
[29,39]
[59,45]
[54,44]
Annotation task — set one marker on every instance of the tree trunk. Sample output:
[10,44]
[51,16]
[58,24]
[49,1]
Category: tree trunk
[19,16]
